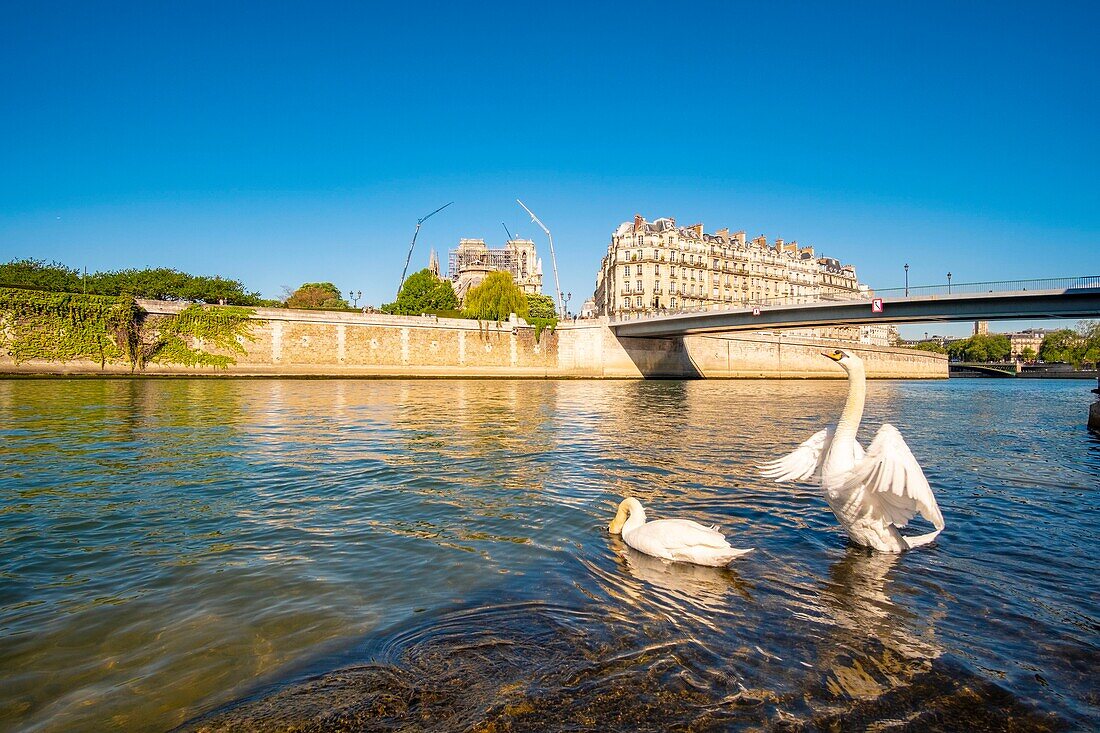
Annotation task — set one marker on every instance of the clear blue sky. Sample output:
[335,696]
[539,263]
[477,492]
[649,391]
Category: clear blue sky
[286,142]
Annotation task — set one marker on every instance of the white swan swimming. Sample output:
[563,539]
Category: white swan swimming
[873,494]
[678,540]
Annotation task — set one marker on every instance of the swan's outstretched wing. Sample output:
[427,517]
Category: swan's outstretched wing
[803,463]
[891,477]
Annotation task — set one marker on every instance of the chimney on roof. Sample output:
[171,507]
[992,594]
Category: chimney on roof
[739,237]
[698,229]
[638,221]
[724,233]
[761,241]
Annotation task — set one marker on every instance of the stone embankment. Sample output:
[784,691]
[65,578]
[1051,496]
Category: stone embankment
[284,342]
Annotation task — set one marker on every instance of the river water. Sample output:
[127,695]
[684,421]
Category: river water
[433,555]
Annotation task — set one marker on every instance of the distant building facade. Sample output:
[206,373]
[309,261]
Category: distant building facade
[1031,338]
[659,265]
[472,261]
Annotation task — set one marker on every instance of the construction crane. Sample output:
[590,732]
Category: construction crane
[510,237]
[553,260]
[407,259]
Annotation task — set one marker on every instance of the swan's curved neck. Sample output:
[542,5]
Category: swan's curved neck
[630,510]
[853,408]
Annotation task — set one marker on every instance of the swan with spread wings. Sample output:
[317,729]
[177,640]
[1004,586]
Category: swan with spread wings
[874,493]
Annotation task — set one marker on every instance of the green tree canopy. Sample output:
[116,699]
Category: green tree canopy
[1073,347]
[316,296]
[1060,345]
[541,306]
[155,283]
[495,299]
[933,346]
[1028,354]
[423,292]
[40,275]
[981,347]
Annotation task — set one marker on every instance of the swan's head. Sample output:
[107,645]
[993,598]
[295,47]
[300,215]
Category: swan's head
[846,359]
[626,506]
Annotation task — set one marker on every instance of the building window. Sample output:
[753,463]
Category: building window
[656,269]
[638,270]
[638,285]
[672,303]
[626,303]
[638,302]
[626,271]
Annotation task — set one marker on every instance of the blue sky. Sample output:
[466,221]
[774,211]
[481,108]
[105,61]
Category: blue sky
[279,143]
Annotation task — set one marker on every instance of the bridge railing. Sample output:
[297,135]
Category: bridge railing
[992,286]
[916,291]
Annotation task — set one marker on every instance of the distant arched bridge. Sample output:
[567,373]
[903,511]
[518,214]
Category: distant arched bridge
[1077,297]
[998,369]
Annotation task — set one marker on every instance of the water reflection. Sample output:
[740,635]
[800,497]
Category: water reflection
[437,551]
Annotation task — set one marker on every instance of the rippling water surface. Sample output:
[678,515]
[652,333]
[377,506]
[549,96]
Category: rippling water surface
[433,555]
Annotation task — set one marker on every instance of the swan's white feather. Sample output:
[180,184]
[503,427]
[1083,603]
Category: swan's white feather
[890,477]
[803,463]
[874,493]
[679,540]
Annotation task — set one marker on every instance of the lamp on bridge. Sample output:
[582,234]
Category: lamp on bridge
[949,283]
[906,279]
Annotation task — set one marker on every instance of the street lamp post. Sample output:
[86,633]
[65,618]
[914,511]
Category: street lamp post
[553,259]
[906,279]
[354,298]
[409,257]
[567,297]
[949,283]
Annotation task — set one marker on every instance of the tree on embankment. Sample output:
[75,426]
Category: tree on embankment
[423,292]
[1076,347]
[981,347]
[317,296]
[541,306]
[495,299]
[153,283]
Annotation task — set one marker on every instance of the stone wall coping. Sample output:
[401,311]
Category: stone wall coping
[167,307]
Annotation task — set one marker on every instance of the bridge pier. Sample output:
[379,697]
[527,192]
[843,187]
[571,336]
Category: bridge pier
[1094,410]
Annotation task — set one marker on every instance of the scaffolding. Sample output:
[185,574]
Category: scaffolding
[475,252]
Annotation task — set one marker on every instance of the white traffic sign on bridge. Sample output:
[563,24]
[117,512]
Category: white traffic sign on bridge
[756,311]
[876,305]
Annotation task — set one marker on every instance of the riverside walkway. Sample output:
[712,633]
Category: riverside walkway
[1077,297]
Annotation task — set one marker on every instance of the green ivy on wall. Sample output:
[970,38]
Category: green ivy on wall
[50,326]
[65,326]
[541,324]
[182,338]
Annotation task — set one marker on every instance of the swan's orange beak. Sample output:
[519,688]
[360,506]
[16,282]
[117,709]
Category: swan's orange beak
[835,356]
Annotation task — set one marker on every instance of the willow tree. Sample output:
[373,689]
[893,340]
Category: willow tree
[496,298]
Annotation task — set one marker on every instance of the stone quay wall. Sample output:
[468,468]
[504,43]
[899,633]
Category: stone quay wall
[289,342]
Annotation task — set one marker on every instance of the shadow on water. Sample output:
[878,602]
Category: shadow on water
[645,645]
[533,666]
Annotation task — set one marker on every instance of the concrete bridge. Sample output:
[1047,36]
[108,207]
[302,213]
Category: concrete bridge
[990,301]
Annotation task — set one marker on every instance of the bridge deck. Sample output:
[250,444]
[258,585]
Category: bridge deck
[1028,304]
